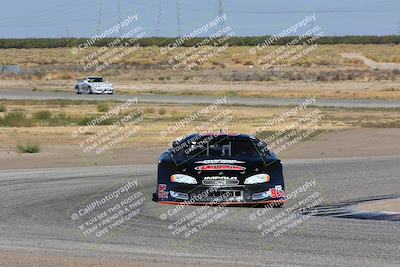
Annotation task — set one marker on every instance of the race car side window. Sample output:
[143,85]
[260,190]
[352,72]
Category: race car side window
[262,147]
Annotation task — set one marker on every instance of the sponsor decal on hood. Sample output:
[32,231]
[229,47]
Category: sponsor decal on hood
[220,167]
[216,161]
[220,178]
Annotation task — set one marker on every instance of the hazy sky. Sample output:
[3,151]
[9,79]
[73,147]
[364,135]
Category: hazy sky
[81,18]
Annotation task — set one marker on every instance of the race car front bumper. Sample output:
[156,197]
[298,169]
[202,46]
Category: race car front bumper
[199,195]
[106,90]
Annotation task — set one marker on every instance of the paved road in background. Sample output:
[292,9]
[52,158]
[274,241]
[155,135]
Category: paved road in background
[199,99]
[34,205]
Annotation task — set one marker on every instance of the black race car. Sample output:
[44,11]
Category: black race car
[215,168]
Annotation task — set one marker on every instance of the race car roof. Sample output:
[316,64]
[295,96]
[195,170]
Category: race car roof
[221,135]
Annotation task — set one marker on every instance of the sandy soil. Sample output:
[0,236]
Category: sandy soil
[345,143]
[349,143]
[54,156]
[389,205]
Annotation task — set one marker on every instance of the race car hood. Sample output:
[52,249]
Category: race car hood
[224,169]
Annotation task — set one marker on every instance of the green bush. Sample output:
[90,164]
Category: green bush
[28,148]
[86,120]
[3,108]
[15,119]
[42,115]
[104,107]
[60,120]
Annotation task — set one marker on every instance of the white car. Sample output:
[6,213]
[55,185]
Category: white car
[94,85]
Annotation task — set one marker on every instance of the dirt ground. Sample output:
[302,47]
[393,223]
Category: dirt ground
[390,205]
[350,143]
[371,63]
[345,143]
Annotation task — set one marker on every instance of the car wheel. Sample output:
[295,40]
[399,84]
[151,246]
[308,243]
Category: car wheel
[90,90]
[78,90]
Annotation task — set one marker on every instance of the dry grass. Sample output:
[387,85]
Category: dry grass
[246,119]
[235,63]
[388,94]
[232,57]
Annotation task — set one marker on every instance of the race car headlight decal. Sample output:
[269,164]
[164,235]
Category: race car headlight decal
[179,195]
[182,178]
[257,179]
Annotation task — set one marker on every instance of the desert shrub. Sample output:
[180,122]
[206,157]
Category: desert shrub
[162,111]
[322,77]
[3,108]
[86,120]
[28,148]
[103,107]
[15,119]
[60,120]
[42,115]
[149,110]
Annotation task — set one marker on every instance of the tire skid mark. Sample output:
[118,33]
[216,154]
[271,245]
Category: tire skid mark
[348,210]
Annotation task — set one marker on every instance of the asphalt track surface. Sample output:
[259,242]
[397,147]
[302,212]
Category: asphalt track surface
[35,205]
[26,95]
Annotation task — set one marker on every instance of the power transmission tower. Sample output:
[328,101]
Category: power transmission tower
[312,27]
[220,7]
[99,21]
[119,11]
[221,12]
[398,26]
[159,17]
[67,35]
[178,18]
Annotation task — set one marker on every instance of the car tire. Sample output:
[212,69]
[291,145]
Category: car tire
[277,205]
[78,90]
[90,90]
[155,197]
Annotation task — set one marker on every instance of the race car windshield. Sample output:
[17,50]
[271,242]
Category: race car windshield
[218,148]
[96,80]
